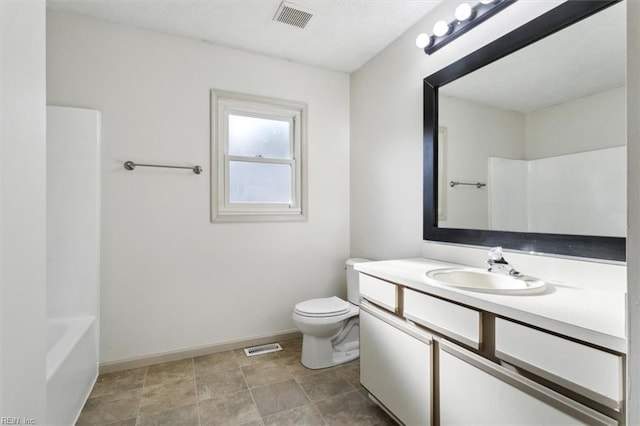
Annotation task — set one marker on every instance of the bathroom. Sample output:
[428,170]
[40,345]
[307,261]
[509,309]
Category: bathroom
[173,281]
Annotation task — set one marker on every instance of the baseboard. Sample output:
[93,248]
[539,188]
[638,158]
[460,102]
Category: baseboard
[143,361]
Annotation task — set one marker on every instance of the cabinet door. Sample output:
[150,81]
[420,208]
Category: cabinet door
[476,391]
[395,365]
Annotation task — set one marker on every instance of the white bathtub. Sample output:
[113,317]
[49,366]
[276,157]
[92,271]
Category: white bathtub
[72,367]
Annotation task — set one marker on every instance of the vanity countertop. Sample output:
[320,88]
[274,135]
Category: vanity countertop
[593,316]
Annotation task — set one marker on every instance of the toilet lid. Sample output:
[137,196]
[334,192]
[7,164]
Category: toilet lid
[327,306]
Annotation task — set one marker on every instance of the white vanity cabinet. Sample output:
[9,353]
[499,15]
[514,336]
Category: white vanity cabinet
[396,365]
[434,358]
[474,390]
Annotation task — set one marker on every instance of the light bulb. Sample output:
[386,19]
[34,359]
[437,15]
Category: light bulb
[441,28]
[423,40]
[463,12]
[487,1]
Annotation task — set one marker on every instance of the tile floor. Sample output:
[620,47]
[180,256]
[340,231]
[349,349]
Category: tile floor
[229,388]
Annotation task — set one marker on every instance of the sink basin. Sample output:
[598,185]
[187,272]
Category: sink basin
[485,282]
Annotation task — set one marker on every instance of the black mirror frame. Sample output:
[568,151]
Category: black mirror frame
[595,247]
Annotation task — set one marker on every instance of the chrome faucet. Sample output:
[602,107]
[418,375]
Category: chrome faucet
[499,265]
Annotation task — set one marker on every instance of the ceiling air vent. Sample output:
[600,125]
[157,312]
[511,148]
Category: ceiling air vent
[292,14]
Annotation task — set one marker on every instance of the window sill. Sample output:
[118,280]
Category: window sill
[258,217]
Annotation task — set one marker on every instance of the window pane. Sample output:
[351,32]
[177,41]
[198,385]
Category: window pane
[259,182]
[253,137]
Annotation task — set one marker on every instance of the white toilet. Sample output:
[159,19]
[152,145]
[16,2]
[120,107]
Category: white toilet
[330,325]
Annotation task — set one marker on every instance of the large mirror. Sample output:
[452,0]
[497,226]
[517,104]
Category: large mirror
[525,139]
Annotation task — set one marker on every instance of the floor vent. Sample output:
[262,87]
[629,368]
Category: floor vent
[292,14]
[262,349]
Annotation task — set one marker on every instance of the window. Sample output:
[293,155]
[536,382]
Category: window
[258,155]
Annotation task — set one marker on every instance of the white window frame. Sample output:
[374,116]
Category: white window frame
[223,104]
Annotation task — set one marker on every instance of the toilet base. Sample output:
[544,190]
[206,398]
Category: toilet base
[324,352]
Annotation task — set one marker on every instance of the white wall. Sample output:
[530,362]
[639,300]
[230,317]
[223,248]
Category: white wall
[593,122]
[386,131]
[633,212]
[22,210]
[492,132]
[392,82]
[170,278]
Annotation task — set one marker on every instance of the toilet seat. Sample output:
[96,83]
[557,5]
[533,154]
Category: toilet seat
[322,307]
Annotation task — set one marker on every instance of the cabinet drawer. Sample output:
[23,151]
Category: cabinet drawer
[588,371]
[382,293]
[475,391]
[460,323]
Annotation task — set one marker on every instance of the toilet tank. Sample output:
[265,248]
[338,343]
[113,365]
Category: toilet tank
[353,286]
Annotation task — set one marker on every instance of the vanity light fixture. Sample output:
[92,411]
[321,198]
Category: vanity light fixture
[423,40]
[466,17]
[464,12]
[441,29]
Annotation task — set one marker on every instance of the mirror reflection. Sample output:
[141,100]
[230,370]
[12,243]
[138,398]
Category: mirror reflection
[544,128]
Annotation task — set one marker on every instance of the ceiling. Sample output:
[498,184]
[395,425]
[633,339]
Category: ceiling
[588,57]
[342,35]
